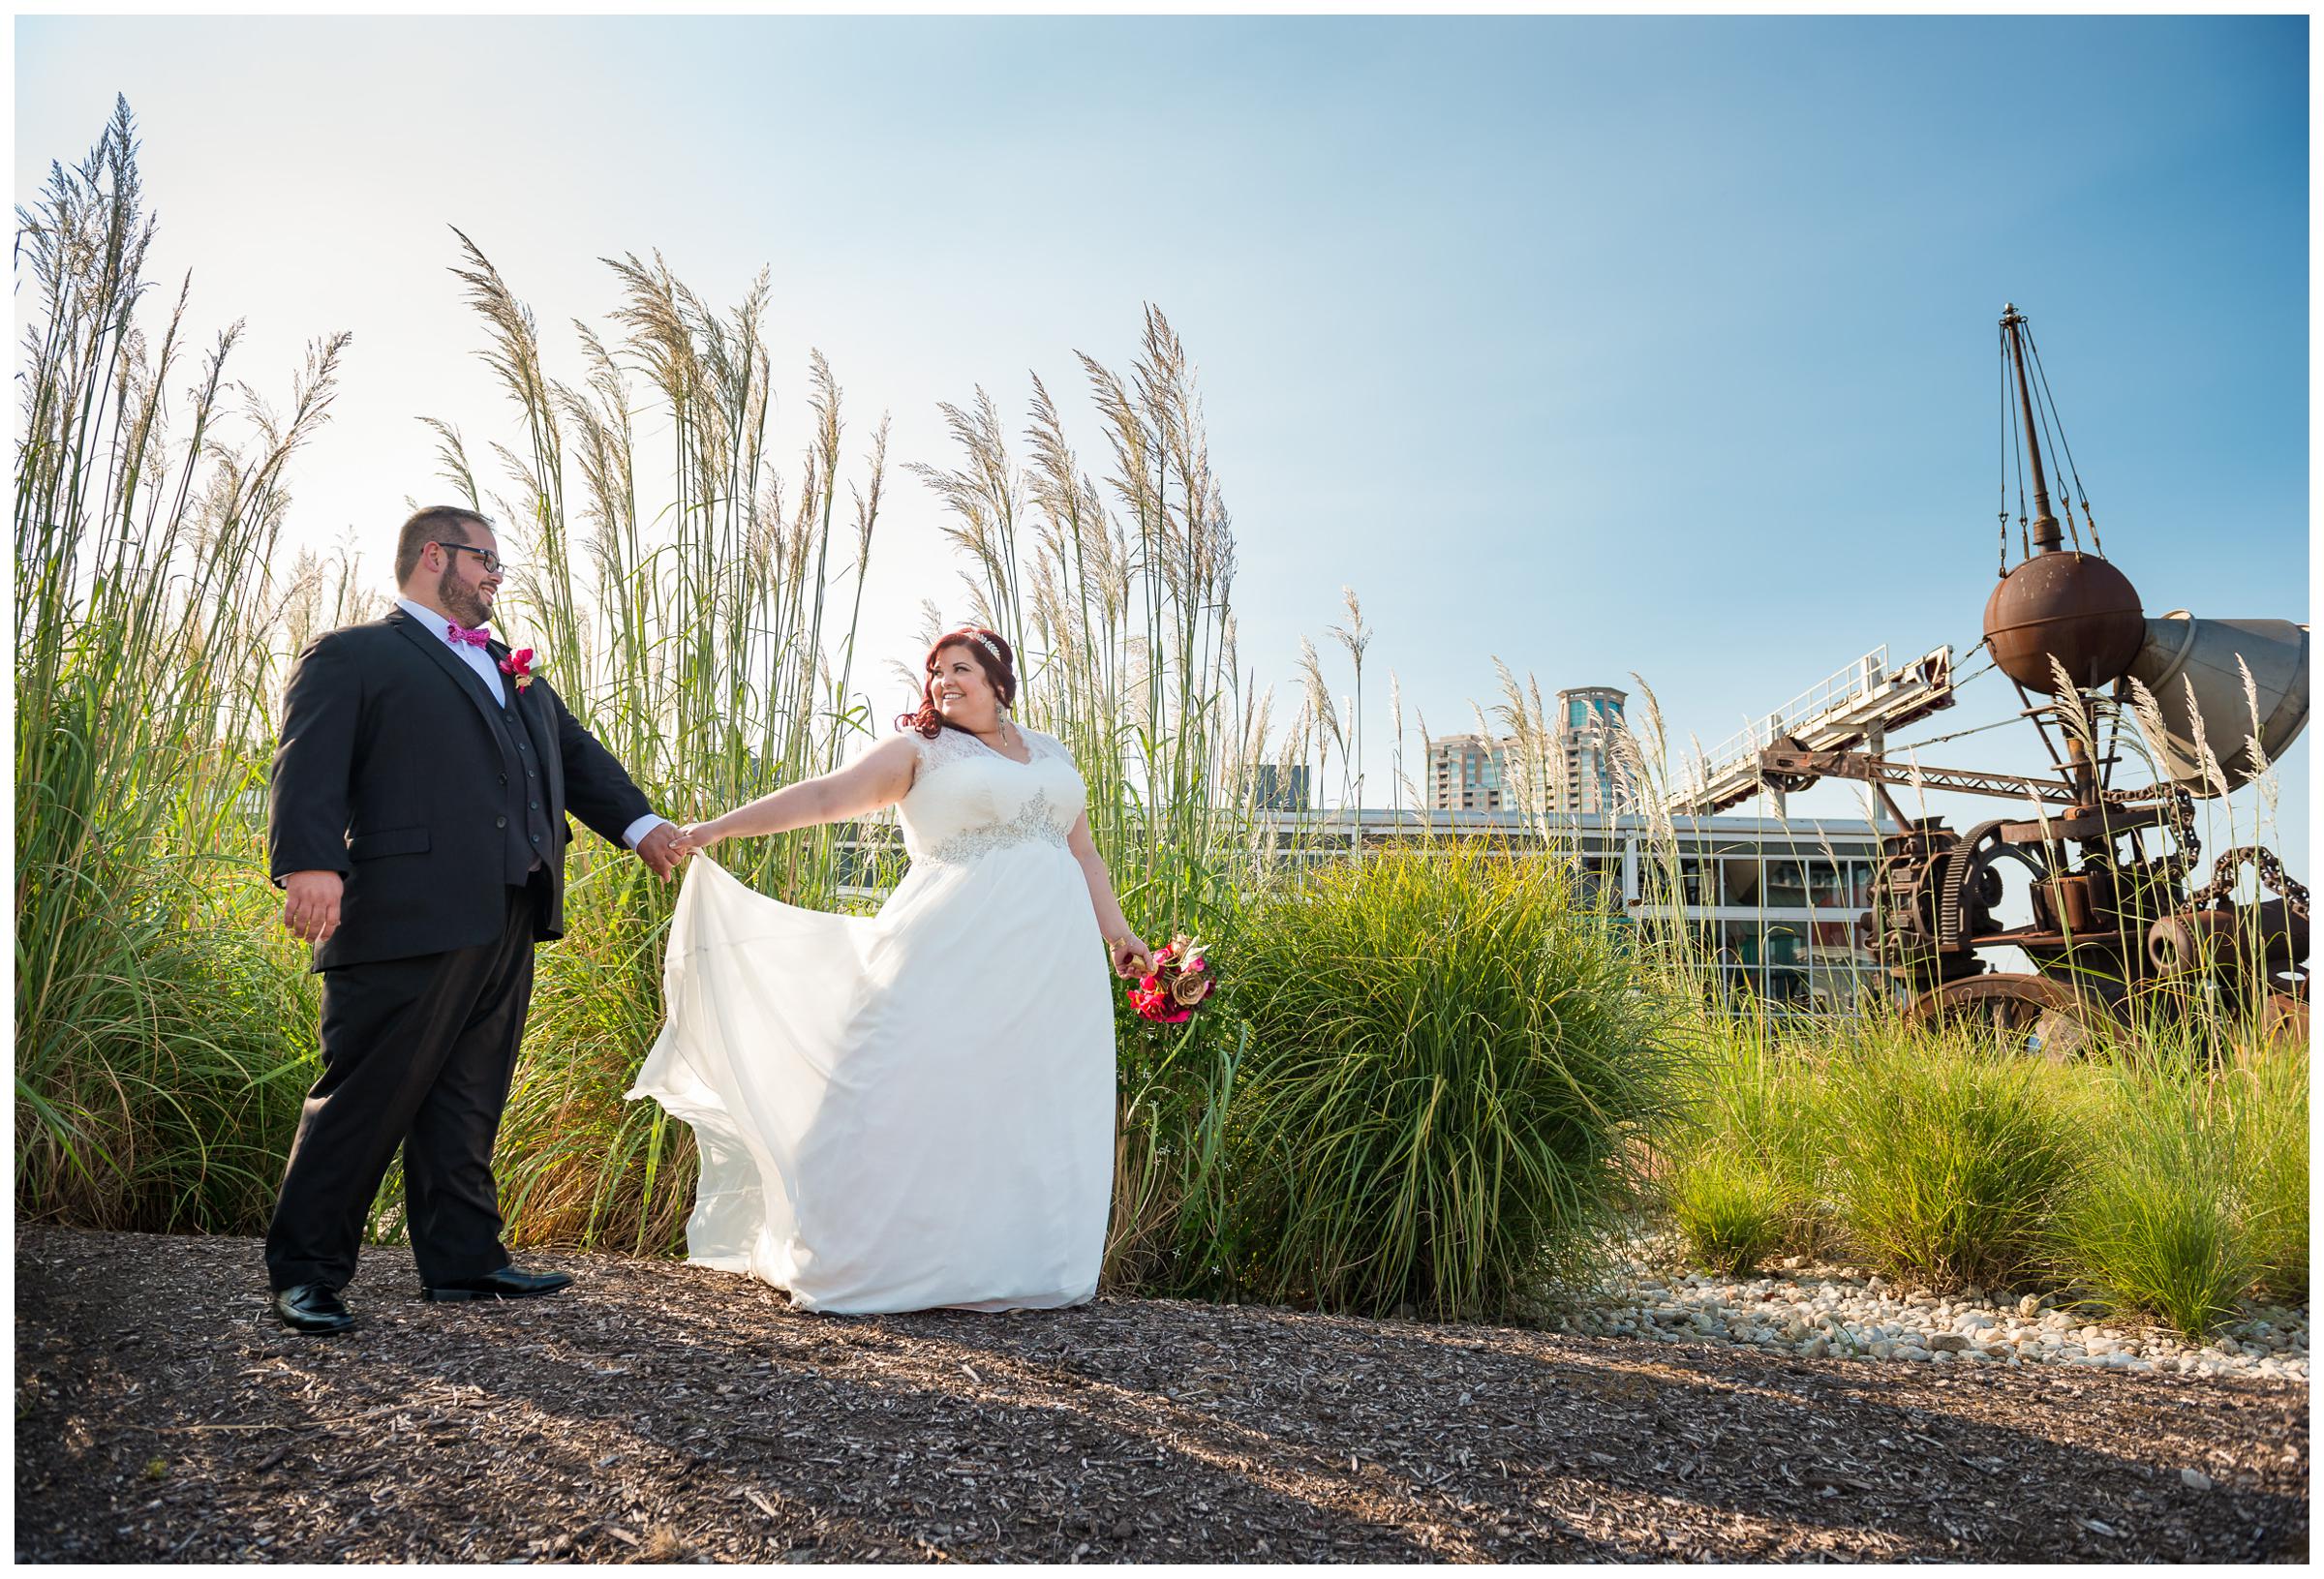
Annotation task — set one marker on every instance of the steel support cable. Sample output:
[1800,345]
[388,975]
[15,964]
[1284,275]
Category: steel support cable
[2042,415]
[1976,729]
[1958,734]
[2040,373]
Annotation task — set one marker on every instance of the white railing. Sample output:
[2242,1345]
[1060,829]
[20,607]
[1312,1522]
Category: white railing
[1835,714]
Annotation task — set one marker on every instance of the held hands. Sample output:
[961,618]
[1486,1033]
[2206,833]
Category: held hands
[704,836]
[1131,957]
[311,905]
[665,850]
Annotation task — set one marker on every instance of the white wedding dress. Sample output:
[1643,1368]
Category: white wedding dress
[914,1108]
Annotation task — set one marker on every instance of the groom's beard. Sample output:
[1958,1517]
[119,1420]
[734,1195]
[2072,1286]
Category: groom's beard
[461,601]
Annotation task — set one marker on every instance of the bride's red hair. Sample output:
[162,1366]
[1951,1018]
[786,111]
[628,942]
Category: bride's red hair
[998,662]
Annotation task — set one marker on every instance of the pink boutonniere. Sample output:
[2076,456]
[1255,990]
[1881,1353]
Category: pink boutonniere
[518,666]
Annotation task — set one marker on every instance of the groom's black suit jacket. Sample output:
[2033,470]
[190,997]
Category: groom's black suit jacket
[394,770]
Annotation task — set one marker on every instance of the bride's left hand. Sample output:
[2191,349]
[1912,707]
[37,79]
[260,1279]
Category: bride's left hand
[1131,957]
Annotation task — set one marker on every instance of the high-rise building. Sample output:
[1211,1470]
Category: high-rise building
[1588,717]
[1470,773]
[1464,774]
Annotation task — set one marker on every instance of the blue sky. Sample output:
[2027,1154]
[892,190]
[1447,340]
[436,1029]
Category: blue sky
[1662,345]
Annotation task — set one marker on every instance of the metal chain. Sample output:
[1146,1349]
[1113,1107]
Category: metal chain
[2180,810]
[2271,873]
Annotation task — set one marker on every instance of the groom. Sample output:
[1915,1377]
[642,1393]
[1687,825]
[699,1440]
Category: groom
[416,827]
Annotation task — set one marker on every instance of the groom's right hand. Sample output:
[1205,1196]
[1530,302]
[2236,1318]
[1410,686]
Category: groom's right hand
[311,905]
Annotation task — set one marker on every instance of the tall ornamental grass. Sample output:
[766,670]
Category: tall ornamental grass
[1450,1071]
[697,607]
[163,1027]
[714,647]
[1118,597]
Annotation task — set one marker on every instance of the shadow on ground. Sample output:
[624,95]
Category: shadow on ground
[666,1412]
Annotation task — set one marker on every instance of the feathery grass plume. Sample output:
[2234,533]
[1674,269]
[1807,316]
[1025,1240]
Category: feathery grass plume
[1355,637]
[1422,801]
[699,648]
[2147,712]
[1698,765]
[982,497]
[1485,732]
[2263,771]
[2073,711]
[1325,717]
[1919,782]
[2206,763]
[1399,784]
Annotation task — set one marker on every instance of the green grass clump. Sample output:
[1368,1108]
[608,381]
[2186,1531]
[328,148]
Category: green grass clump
[1758,1096]
[2157,1225]
[2267,1095]
[1732,1213]
[1449,1065]
[1950,1163]
[2198,1185]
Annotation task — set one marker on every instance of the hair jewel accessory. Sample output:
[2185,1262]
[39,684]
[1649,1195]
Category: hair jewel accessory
[989,644]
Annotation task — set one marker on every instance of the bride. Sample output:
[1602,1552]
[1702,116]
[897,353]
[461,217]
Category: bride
[914,1108]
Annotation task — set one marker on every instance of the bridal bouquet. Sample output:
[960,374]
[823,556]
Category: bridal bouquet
[1178,979]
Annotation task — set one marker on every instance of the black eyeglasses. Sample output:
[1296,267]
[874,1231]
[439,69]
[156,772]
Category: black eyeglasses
[493,565]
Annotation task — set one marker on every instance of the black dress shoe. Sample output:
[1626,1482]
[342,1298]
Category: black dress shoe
[505,1283]
[313,1307]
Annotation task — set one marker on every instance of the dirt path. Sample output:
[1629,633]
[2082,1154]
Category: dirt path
[662,1412]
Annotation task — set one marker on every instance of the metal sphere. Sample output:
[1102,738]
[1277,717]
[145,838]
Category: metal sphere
[2073,607]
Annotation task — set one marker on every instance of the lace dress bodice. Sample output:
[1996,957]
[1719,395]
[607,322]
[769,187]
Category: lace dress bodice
[967,800]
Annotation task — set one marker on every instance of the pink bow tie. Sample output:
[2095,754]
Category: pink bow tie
[460,633]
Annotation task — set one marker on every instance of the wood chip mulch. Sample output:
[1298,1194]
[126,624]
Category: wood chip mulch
[664,1413]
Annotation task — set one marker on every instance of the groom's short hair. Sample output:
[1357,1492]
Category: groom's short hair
[436,524]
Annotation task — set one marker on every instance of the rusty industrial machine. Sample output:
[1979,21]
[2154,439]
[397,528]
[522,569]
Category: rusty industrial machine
[2118,926]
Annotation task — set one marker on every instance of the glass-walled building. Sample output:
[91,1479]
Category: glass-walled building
[1464,772]
[1780,908]
[1471,772]
[1588,718]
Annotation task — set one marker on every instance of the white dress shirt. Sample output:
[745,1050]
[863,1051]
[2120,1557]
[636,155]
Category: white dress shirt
[489,672]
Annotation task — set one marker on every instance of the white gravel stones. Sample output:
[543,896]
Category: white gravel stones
[1824,1311]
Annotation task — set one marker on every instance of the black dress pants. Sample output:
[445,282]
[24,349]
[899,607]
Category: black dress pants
[417,1053]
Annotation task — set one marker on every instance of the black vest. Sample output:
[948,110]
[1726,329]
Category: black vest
[526,826]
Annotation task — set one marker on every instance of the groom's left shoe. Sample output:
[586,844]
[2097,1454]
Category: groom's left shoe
[505,1283]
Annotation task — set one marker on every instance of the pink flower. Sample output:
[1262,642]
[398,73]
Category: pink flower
[519,666]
